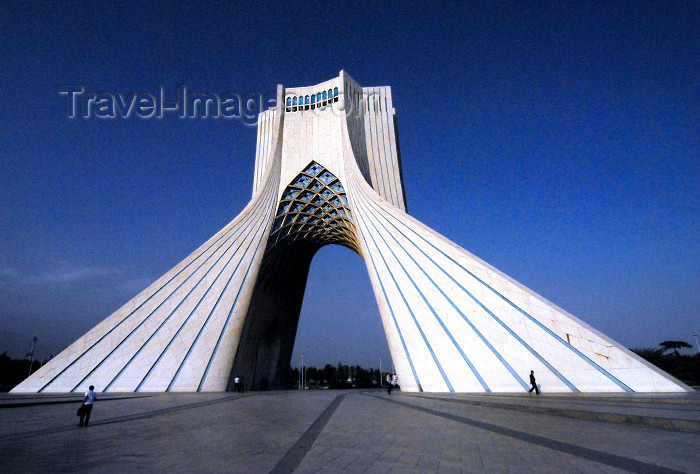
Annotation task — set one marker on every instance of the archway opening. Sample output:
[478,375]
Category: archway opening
[339,321]
[313,214]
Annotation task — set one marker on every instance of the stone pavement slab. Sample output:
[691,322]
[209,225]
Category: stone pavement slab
[326,431]
[679,412]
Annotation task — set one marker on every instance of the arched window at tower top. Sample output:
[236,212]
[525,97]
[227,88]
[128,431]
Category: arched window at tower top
[312,101]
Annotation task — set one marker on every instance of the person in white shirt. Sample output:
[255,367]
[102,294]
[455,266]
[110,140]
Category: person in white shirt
[88,401]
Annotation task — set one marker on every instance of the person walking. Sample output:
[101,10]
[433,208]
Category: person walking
[236,385]
[533,382]
[389,383]
[86,408]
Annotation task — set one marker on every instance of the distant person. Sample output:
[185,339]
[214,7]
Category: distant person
[533,382]
[236,384]
[86,408]
[389,383]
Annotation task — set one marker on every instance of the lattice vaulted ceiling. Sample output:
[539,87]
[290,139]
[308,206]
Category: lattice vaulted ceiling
[314,208]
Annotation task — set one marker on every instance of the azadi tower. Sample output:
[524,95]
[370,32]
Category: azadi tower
[328,171]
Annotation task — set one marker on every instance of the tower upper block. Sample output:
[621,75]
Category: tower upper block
[328,171]
[313,129]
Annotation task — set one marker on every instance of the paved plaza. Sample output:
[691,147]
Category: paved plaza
[351,431]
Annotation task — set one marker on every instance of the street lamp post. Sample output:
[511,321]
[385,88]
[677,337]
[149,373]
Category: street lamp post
[31,355]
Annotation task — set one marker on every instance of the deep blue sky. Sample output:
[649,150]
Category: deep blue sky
[558,143]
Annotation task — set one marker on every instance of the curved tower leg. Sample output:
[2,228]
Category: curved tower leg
[456,324]
[182,332]
[453,322]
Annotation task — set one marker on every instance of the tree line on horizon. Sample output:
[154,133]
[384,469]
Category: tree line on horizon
[14,371]
[685,368]
[335,377]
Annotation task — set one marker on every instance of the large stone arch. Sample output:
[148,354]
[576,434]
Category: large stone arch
[313,212]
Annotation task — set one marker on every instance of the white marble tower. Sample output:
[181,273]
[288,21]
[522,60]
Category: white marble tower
[328,171]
